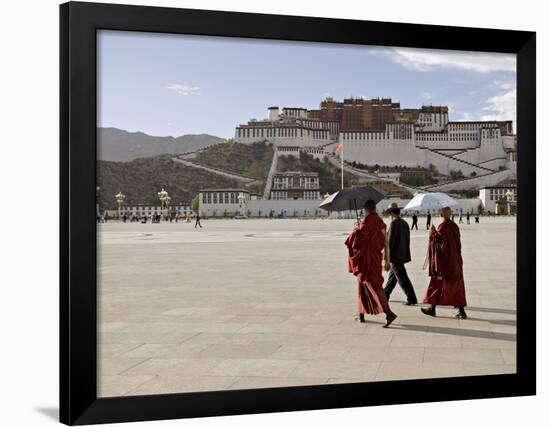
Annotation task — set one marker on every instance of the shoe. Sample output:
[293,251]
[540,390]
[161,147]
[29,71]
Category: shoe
[360,318]
[461,315]
[390,317]
[410,303]
[428,311]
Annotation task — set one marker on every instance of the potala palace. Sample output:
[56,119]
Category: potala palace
[378,131]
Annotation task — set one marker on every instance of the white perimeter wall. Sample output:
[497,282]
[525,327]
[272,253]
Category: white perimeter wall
[263,207]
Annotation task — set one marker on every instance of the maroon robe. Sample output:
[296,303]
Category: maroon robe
[365,245]
[445,267]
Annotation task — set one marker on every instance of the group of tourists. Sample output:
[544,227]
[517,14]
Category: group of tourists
[429,219]
[372,249]
[153,219]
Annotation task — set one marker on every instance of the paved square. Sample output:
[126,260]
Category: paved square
[269,303]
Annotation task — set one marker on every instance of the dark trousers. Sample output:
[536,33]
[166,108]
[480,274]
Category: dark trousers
[398,274]
[415,225]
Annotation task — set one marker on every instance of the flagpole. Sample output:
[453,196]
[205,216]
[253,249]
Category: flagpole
[342,160]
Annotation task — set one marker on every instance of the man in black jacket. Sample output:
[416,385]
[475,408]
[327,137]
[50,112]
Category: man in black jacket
[400,254]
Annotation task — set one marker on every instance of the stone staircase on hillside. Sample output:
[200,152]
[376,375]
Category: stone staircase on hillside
[448,156]
[246,180]
[272,171]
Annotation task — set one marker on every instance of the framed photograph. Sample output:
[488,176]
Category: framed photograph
[265,213]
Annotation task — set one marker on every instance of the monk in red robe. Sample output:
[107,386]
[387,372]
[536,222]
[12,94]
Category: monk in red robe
[365,245]
[445,267]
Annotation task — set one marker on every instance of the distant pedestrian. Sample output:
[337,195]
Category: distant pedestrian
[467,217]
[428,220]
[460,217]
[477,219]
[399,242]
[415,221]
[198,221]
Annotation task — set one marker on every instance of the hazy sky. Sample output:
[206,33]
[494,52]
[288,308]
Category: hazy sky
[177,84]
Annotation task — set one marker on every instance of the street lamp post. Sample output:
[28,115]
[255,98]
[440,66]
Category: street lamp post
[242,203]
[509,199]
[97,201]
[120,201]
[167,206]
[164,198]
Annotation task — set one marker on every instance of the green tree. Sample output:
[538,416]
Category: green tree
[195,203]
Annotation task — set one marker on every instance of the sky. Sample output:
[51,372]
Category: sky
[168,84]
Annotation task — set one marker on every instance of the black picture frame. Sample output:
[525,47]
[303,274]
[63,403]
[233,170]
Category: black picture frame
[79,22]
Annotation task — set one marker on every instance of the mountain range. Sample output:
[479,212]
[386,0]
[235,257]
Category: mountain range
[117,145]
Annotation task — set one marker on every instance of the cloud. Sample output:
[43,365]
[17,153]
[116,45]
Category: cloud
[428,60]
[184,89]
[503,105]
[425,95]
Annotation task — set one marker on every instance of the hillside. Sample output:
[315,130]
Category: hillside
[253,160]
[140,180]
[118,145]
[329,175]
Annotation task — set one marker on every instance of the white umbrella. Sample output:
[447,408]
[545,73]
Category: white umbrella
[430,201]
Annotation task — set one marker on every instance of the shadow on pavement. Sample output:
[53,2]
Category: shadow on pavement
[462,332]
[468,308]
[491,310]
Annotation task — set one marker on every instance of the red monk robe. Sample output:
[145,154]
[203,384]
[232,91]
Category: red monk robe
[365,244]
[445,266]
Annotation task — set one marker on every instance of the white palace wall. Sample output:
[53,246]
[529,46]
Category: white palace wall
[405,153]
[383,153]
[298,137]
[445,164]
[381,148]
[489,149]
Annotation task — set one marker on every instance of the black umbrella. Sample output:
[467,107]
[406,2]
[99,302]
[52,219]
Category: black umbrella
[351,199]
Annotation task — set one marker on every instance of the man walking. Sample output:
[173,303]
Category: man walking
[415,221]
[428,220]
[198,221]
[399,255]
[446,285]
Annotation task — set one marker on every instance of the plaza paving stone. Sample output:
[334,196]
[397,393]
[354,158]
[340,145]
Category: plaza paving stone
[269,303]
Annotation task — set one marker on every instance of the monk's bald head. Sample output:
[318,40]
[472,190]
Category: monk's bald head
[446,212]
[370,206]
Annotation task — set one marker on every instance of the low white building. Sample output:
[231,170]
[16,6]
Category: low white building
[150,210]
[499,199]
[223,202]
[295,186]
[230,202]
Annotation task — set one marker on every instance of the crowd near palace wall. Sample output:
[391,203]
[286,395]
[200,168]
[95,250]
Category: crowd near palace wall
[379,131]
